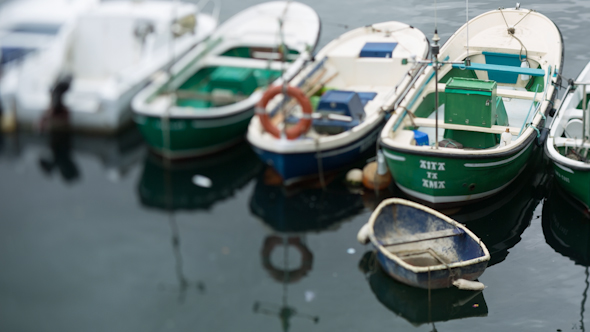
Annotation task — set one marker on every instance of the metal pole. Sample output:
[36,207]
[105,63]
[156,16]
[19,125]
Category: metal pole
[436,101]
[584,117]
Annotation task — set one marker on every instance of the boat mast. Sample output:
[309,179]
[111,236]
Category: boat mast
[435,49]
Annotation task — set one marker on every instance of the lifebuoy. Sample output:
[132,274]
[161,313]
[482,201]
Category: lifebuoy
[292,132]
[291,275]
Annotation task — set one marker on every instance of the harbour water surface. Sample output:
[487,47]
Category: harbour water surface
[98,235]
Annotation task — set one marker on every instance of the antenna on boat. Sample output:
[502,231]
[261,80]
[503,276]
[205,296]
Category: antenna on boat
[467,60]
[435,50]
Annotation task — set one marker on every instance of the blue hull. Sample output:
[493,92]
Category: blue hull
[437,279]
[295,166]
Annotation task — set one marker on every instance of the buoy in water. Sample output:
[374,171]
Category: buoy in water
[354,177]
[372,179]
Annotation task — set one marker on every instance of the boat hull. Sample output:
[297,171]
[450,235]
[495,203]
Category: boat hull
[574,180]
[296,166]
[193,137]
[430,280]
[444,179]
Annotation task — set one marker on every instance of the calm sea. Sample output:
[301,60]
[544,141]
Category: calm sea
[96,235]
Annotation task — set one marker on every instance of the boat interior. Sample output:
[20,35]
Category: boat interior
[568,136]
[232,76]
[496,93]
[352,81]
[421,239]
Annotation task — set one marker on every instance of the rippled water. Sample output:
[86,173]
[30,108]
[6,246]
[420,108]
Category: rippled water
[95,234]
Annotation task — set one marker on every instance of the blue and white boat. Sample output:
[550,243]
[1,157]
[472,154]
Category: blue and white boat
[351,85]
[424,248]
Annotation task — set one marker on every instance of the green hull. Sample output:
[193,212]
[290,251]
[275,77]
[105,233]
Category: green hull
[574,181]
[192,137]
[438,179]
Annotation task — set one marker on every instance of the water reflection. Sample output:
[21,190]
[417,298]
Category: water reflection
[419,306]
[285,275]
[566,226]
[293,212]
[171,187]
[57,153]
[308,207]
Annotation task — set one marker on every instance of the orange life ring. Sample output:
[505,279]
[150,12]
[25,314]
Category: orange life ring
[293,132]
[286,275]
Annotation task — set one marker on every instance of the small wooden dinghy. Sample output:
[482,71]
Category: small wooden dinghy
[424,248]
[569,142]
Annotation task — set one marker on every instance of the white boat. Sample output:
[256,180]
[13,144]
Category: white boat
[31,26]
[353,83]
[568,143]
[111,53]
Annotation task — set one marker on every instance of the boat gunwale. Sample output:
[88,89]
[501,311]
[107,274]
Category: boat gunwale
[417,269]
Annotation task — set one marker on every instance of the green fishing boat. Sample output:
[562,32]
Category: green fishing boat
[466,131]
[204,104]
[569,140]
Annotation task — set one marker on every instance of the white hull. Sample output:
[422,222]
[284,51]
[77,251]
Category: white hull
[102,88]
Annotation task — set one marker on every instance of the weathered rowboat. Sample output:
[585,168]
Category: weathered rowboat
[205,104]
[353,82]
[422,247]
[568,143]
[490,109]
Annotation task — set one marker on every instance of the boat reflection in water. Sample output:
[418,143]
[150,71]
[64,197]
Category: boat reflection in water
[171,187]
[566,226]
[293,212]
[500,220]
[416,305]
[56,152]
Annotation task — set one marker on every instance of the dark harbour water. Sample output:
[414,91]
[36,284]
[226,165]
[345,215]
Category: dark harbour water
[95,234]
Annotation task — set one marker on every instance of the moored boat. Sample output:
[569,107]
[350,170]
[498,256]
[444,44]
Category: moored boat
[496,82]
[110,53]
[422,247]
[569,140]
[206,102]
[347,91]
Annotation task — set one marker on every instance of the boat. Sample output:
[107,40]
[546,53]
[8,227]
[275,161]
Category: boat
[110,52]
[568,142]
[466,131]
[32,30]
[422,247]
[346,91]
[416,305]
[205,104]
[31,26]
